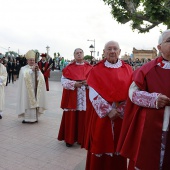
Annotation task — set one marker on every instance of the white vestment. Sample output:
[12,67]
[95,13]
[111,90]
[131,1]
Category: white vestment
[26,101]
[3,79]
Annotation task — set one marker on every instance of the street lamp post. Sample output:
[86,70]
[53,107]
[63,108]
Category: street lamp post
[93,46]
[8,51]
[48,48]
[91,50]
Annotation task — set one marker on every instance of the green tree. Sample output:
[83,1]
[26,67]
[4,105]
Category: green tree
[11,53]
[87,57]
[143,14]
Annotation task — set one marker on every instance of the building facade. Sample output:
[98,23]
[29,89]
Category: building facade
[144,54]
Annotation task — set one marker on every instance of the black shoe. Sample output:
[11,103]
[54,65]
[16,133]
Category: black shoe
[0,117]
[69,145]
[29,122]
[24,121]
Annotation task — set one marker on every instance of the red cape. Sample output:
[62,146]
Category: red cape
[77,73]
[140,138]
[109,83]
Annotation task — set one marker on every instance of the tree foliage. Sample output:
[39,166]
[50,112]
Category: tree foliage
[11,54]
[87,57]
[143,14]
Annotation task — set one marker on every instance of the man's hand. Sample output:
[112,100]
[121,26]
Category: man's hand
[113,114]
[163,101]
[35,67]
[84,82]
[78,84]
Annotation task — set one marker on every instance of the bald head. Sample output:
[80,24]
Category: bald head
[111,42]
[164,44]
[112,51]
[162,36]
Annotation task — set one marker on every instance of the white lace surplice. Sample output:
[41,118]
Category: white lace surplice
[81,93]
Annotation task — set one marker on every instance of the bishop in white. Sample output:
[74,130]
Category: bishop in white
[31,100]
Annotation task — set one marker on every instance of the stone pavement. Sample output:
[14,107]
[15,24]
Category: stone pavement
[35,146]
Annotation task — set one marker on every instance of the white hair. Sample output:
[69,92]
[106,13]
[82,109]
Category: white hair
[115,42]
[78,49]
[161,37]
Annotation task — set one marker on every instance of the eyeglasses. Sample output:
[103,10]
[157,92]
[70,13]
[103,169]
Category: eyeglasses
[166,41]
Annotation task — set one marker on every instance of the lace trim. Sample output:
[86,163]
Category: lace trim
[121,108]
[109,154]
[68,84]
[116,65]
[144,99]
[81,98]
[69,110]
[101,106]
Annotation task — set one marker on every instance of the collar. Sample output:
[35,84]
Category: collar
[116,65]
[163,63]
[79,63]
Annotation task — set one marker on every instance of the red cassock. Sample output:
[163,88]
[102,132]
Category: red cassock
[44,67]
[112,84]
[72,121]
[140,138]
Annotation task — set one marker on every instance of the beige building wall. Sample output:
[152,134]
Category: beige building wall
[140,54]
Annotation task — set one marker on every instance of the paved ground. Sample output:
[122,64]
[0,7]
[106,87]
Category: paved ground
[35,147]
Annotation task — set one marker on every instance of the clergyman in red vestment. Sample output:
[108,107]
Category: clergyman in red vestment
[44,66]
[74,98]
[108,81]
[145,137]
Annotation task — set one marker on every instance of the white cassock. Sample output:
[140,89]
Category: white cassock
[3,79]
[26,100]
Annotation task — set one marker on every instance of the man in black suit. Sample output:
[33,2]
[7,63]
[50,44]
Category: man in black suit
[10,69]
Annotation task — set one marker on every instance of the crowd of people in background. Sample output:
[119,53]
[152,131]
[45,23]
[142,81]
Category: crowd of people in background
[136,63]
[13,66]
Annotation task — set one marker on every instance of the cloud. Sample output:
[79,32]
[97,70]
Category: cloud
[65,25]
